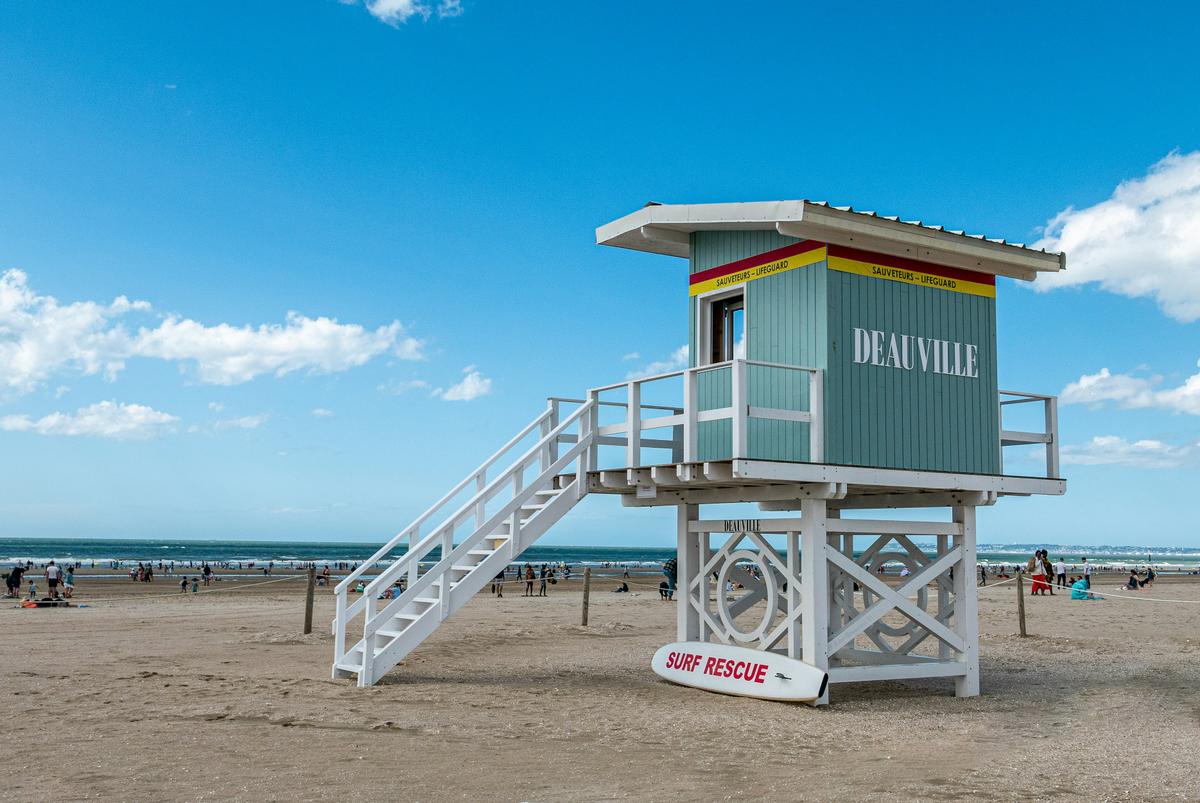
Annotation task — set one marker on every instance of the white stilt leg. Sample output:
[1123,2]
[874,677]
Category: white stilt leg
[795,643]
[814,587]
[966,605]
[688,559]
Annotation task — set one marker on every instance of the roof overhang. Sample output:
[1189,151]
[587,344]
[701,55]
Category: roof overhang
[666,229]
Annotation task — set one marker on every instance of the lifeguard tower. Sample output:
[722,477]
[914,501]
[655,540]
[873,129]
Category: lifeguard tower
[840,361]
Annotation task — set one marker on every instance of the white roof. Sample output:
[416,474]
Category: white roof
[665,229]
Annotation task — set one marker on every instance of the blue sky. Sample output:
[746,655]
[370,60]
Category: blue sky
[219,218]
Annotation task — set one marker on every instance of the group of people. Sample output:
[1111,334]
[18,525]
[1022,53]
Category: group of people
[542,576]
[60,581]
[1041,571]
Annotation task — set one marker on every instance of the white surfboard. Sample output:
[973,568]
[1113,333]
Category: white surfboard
[739,670]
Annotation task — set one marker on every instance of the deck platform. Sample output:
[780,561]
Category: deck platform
[776,484]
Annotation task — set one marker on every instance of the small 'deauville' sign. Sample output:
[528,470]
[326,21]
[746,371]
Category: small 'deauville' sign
[740,671]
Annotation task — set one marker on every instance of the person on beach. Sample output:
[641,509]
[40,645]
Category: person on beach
[183,585]
[195,584]
[528,581]
[1132,583]
[1150,575]
[14,581]
[982,575]
[1060,573]
[1081,589]
[498,585]
[52,575]
[1038,573]
[1087,572]
[671,570]
[1049,570]
[69,583]
[207,573]
[542,577]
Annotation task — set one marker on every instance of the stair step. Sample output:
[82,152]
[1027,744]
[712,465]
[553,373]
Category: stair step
[388,633]
[484,552]
[549,492]
[346,666]
[534,507]
[464,568]
[409,617]
[427,600]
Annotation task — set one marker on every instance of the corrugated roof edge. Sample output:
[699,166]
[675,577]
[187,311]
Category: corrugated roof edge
[663,227]
[959,232]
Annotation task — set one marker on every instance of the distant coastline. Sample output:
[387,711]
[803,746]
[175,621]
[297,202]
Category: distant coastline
[123,551]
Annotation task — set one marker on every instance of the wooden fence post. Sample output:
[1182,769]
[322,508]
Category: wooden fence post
[587,590]
[308,599]
[1021,601]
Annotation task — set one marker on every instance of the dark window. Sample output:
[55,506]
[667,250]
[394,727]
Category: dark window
[728,326]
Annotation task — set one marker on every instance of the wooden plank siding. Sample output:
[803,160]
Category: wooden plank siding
[874,416]
[890,418]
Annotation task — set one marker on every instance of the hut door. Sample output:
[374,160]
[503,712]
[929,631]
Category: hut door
[727,328]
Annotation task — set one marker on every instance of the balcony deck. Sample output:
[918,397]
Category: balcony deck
[778,485]
[657,451]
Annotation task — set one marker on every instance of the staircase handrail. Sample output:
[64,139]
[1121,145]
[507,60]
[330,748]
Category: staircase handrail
[414,527]
[426,544]
[442,567]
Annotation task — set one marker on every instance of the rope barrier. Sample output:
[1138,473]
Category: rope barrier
[178,594]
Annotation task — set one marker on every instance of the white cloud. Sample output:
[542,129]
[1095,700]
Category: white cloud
[216,407]
[1142,241]
[229,355]
[321,412]
[677,360]
[1111,450]
[400,387]
[633,355]
[472,386]
[398,12]
[1133,392]
[39,338]
[104,419]
[242,422]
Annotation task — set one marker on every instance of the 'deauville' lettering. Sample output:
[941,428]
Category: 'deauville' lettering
[908,352]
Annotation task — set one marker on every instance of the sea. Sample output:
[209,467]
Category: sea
[124,553]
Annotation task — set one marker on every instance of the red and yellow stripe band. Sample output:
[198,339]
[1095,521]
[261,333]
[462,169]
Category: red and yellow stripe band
[844,260]
[770,263]
[910,271]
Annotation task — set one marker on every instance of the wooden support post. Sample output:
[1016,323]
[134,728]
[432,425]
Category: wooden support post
[814,587]
[738,393]
[633,426]
[587,591]
[691,423]
[308,599]
[1021,600]
[795,642]
[966,604]
[687,565]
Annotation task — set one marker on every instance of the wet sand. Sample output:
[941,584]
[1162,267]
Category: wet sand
[154,695]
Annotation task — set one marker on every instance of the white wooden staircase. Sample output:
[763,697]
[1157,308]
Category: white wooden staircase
[505,514]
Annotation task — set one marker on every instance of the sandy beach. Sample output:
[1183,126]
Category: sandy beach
[148,694]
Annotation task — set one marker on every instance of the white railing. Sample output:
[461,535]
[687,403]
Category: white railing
[1048,436]
[544,455]
[685,419]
